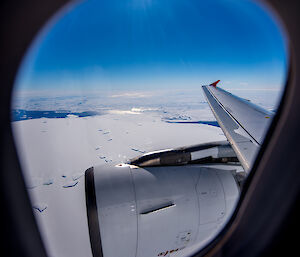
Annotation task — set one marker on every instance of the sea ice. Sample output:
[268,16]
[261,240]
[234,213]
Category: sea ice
[33,182]
[72,116]
[48,182]
[70,184]
[77,175]
[40,206]
[137,150]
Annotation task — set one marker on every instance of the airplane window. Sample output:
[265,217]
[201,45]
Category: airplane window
[137,122]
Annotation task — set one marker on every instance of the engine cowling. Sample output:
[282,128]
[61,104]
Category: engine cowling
[157,211]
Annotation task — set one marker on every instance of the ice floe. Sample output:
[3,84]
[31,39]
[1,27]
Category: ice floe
[48,182]
[40,206]
[70,184]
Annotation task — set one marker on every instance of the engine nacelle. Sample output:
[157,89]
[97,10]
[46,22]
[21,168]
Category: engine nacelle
[157,211]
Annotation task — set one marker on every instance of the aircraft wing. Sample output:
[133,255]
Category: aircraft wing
[243,123]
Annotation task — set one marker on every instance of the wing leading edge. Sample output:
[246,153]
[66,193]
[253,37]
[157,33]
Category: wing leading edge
[243,123]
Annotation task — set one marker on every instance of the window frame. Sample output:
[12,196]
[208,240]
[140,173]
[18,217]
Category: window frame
[254,228]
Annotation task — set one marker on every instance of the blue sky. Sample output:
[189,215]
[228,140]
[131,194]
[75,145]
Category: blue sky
[154,44]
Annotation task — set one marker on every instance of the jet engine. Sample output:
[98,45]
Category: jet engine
[157,211]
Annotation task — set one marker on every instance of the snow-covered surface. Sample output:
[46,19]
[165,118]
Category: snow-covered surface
[55,152]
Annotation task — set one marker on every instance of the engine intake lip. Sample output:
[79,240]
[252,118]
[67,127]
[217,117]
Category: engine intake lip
[92,213]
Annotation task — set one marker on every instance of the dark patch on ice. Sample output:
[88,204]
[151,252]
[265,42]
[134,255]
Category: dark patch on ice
[109,139]
[102,157]
[20,114]
[48,182]
[211,123]
[97,148]
[100,129]
[77,176]
[177,117]
[137,150]
[70,184]
[40,207]
[63,176]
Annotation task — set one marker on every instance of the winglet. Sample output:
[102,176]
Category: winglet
[215,83]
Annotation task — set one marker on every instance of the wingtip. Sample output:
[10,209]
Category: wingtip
[215,83]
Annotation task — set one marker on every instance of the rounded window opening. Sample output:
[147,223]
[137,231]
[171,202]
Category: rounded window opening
[150,113]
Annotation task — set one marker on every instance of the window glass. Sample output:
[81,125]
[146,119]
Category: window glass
[116,85]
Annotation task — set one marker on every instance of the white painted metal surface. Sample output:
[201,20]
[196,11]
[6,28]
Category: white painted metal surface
[116,207]
[154,211]
[243,123]
[253,118]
